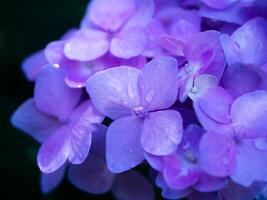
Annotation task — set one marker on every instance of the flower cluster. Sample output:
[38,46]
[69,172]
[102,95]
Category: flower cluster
[178,88]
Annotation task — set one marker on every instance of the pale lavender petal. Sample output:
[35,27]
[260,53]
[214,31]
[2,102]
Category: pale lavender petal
[249,114]
[162,132]
[252,41]
[239,79]
[216,103]
[132,186]
[124,149]
[54,151]
[35,123]
[114,91]
[201,84]
[50,181]
[111,14]
[155,90]
[92,176]
[143,14]
[217,154]
[179,173]
[53,96]
[32,65]
[129,42]
[250,164]
[86,44]
[208,183]
[231,49]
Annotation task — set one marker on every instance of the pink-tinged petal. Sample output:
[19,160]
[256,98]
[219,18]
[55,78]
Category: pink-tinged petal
[208,123]
[249,114]
[233,191]
[124,149]
[132,186]
[205,54]
[162,132]
[35,123]
[51,181]
[201,84]
[54,151]
[207,183]
[54,53]
[179,173]
[250,164]
[230,49]
[156,162]
[129,42]
[86,44]
[53,96]
[217,154]
[156,92]
[32,65]
[252,41]
[169,193]
[216,103]
[111,14]
[171,44]
[143,14]
[239,79]
[92,176]
[114,91]
[222,4]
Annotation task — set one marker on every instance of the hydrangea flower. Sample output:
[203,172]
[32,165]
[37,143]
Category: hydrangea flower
[120,30]
[137,100]
[63,127]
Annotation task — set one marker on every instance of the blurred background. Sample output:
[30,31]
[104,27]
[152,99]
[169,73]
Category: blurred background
[25,27]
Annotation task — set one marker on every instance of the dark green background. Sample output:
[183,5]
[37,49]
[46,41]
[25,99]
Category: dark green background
[25,27]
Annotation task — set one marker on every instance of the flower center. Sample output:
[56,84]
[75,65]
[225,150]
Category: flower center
[140,111]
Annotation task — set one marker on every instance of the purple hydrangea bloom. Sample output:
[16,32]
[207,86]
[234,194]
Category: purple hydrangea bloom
[120,30]
[63,127]
[137,100]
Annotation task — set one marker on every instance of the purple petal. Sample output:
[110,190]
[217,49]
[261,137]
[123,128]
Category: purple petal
[132,186]
[216,103]
[86,44]
[32,65]
[217,154]
[208,183]
[124,149]
[162,132]
[171,44]
[222,4]
[92,176]
[50,181]
[54,151]
[252,41]
[53,96]
[143,14]
[114,91]
[156,162]
[237,192]
[249,114]
[156,91]
[250,164]
[111,14]
[201,84]
[179,173]
[35,123]
[239,79]
[129,42]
